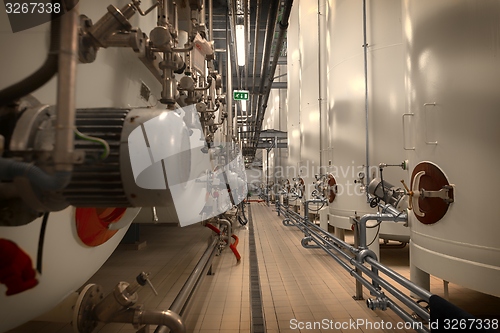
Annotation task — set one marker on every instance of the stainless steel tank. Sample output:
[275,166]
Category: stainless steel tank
[452,75]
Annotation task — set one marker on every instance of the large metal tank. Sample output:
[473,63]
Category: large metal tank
[309,93]
[293,98]
[52,257]
[54,245]
[452,67]
[353,142]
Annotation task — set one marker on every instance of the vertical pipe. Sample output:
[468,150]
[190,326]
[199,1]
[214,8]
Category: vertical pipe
[272,17]
[359,286]
[65,122]
[229,96]
[247,34]
[232,38]
[211,19]
[162,14]
[265,90]
[202,15]
[365,56]
[254,104]
[320,97]
[255,44]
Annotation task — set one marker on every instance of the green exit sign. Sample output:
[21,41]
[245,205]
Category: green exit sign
[241,95]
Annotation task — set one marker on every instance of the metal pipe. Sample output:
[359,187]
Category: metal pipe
[163,20]
[139,317]
[306,206]
[272,17]
[283,25]
[365,58]
[328,244]
[320,86]
[65,109]
[42,75]
[395,292]
[246,3]
[254,65]
[187,290]
[419,291]
[229,96]
[211,19]
[402,217]
[406,317]
[232,38]
[353,273]
[114,20]
[320,241]
[229,228]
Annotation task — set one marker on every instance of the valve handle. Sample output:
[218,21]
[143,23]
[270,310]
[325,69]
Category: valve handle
[414,192]
[143,278]
[151,286]
[414,187]
[410,195]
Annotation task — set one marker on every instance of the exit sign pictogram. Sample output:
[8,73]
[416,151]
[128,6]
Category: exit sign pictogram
[241,95]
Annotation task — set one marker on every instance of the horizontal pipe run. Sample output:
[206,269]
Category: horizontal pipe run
[192,282]
[183,295]
[357,276]
[407,318]
[331,243]
[334,239]
[395,292]
[400,217]
[419,291]
[139,317]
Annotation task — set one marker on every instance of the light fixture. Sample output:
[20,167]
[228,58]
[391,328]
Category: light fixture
[244,106]
[240,44]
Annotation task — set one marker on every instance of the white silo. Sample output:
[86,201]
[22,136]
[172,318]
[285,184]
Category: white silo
[452,81]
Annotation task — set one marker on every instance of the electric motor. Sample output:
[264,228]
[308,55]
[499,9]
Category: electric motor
[388,193]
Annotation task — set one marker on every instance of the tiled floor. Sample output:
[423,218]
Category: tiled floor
[297,284]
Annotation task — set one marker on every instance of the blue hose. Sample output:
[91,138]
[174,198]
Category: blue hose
[10,169]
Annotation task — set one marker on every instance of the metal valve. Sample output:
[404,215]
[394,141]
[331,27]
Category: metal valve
[143,279]
[377,303]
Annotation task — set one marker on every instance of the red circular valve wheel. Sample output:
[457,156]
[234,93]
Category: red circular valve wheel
[92,224]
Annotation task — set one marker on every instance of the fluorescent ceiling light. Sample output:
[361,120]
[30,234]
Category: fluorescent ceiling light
[240,44]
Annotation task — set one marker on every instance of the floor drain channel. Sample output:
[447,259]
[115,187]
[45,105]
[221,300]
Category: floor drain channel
[258,324]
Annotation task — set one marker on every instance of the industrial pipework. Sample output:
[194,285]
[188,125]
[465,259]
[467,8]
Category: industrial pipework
[353,259]
[120,306]
[49,155]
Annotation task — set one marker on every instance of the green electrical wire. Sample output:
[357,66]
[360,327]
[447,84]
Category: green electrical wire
[100,141]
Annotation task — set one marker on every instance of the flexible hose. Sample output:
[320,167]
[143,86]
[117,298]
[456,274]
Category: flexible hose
[213,228]
[231,246]
[10,169]
[41,76]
